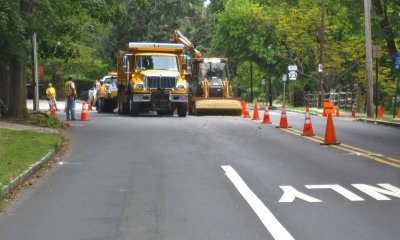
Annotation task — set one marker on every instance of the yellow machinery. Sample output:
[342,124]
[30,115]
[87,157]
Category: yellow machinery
[150,78]
[110,99]
[210,89]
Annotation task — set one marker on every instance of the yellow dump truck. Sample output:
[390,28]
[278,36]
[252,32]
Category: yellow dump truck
[151,78]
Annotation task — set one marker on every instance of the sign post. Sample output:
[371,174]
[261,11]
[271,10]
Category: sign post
[265,89]
[396,65]
[284,79]
[376,53]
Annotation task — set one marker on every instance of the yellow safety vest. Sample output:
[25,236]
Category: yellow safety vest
[69,91]
[51,93]
[102,91]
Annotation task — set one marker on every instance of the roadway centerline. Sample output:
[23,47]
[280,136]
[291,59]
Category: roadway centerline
[272,224]
[348,148]
[344,147]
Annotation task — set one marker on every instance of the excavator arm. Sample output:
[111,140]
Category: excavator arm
[180,38]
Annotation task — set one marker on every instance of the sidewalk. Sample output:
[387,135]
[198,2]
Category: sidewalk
[44,105]
[16,126]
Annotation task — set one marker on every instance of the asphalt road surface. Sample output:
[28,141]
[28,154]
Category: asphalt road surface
[213,178]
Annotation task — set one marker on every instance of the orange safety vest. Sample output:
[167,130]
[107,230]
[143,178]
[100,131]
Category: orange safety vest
[102,91]
[69,91]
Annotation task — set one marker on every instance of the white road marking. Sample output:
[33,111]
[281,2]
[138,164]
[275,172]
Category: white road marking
[290,194]
[377,193]
[267,218]
[339,189]
[364,154]
[68,163]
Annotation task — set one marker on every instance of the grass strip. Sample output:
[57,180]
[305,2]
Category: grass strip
[21,148]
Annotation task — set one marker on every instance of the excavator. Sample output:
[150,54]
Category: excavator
[209,85]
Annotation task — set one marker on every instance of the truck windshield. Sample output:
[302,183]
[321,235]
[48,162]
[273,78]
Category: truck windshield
[157,63]
[111,81]
[209,70]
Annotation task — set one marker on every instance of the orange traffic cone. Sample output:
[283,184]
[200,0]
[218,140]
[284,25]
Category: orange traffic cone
[90,107]
[353,113]
[307,130]
[84,114]
[247,112]
[337,112]
[53,110]
[266,119]
[256,116]
[283,123]
[243,108]
[380,111]
[330,136]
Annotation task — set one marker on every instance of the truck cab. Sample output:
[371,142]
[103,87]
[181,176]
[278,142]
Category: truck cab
[151,78]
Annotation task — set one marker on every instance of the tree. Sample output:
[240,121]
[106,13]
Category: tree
[152,21]
[13,46]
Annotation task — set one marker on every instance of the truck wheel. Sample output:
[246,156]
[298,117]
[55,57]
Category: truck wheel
[133,108]
[161,112]
[108,107]
[182,109]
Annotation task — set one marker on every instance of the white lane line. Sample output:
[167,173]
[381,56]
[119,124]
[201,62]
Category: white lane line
[69,163]
[272,224]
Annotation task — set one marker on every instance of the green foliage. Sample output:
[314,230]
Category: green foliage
[244,31]
[152,21]
[276,33]
[12,29]
[82,37]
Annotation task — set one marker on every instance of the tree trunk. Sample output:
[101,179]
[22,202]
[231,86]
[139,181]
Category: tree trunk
[4,90]
[384,24]
[57,72]
[17,89]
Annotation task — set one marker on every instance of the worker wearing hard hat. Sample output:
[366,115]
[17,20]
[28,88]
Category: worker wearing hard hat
[70,94]
[51,96]
[101,93]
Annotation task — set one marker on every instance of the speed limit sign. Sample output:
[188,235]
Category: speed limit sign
[293,75]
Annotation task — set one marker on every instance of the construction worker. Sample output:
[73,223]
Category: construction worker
[101,93]
[51,96]
[70,94]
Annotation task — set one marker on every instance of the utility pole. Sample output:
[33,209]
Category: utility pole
[251,81]
[35,74]
[368,57]
[321,54]
[270,91]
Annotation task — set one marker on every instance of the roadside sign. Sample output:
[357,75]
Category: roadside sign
[292,67]
[396,62]
[376,51]
[320,68]
[284,77]
[293,75]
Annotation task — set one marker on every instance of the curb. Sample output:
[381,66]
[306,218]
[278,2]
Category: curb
[378,122]
[31,170]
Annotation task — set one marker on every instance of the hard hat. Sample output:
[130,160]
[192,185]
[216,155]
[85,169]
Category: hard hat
[49,84]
